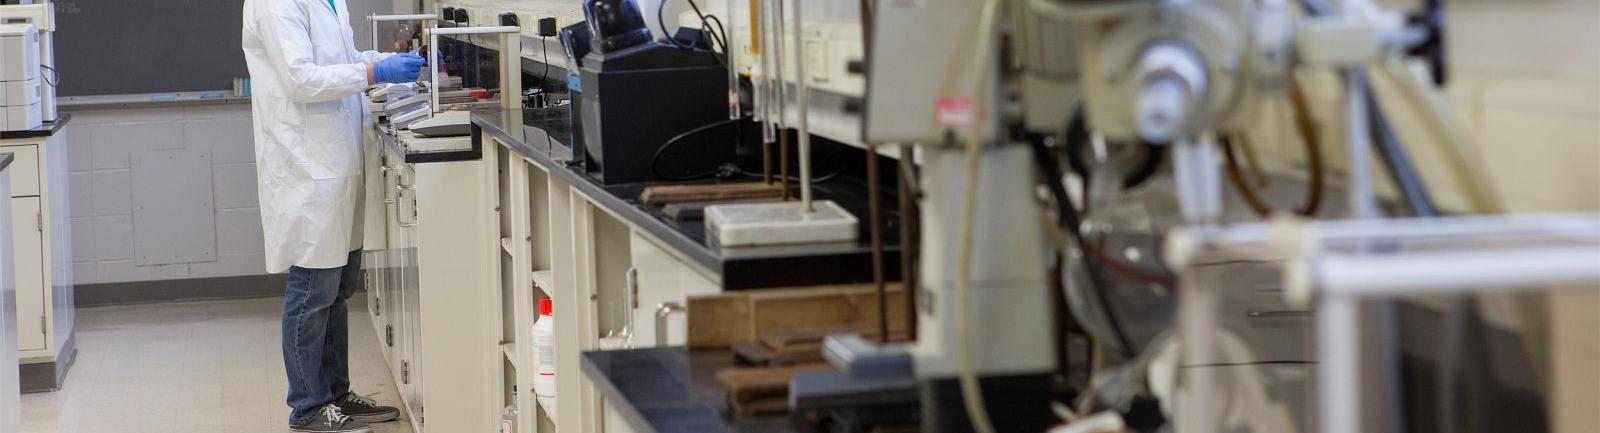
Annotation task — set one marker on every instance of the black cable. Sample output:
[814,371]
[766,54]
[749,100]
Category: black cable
[1067,217]
[824,178]
[53,73]
[720,39]
[1153,157]
[655,160]
[661,21]
[544,45]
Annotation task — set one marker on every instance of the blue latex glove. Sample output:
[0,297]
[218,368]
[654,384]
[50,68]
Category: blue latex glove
[399,68]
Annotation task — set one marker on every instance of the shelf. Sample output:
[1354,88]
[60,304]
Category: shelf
[510,351]
[546,282]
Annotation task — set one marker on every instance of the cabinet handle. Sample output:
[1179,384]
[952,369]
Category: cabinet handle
[662,312]
[400,192]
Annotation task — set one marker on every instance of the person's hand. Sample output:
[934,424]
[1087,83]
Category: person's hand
[399,68]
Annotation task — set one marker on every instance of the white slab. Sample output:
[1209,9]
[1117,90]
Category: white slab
[752,224]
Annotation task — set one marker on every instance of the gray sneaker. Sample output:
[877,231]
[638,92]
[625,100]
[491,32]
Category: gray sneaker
[330,420]
[364,409]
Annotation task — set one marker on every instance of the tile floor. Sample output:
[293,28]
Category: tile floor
[210,366]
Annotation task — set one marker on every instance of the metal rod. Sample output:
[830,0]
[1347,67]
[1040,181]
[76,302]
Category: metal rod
[760,34]
[804,103]
[735,111]
[1358,148]
[411,17]
[663,311]
[909,238]
[780,94]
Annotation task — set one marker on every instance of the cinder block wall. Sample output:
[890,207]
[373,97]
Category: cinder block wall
[103,147]
[106,142]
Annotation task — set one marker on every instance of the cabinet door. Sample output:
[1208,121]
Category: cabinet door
[28,245]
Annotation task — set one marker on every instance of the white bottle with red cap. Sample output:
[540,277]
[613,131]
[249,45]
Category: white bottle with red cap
[544,358]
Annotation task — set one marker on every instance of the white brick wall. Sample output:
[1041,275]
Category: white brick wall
[100,165]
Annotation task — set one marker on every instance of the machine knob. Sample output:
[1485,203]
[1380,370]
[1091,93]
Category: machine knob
[1170,80]
[856,66]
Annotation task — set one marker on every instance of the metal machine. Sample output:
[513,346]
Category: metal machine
[1005,93]
[28,56]
[638,94]
[20,92]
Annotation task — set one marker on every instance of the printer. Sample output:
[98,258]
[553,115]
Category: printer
[21,93]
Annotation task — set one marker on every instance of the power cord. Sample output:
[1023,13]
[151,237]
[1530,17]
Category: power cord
[54,83]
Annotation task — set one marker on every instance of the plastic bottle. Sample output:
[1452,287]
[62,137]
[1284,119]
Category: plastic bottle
[544,354]
[508,419]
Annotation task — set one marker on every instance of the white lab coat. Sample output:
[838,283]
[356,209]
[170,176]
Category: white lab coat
[306,81]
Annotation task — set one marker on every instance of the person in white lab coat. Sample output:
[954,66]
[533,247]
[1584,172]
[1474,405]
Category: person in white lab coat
[306,81]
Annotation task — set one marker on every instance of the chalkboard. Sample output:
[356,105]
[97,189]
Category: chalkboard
[109,47]
[114,47]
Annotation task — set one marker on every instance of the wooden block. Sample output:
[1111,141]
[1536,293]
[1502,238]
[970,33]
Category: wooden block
[668,194]
[782,338]
[752,354]
[829,310]
[719,321]
[744,384]
[799,353]
[761,407]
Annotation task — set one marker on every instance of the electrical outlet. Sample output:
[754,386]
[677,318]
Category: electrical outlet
[817,61]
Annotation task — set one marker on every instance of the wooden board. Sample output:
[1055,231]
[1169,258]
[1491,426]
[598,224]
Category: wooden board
[719,321]
[668,194]
[756,381]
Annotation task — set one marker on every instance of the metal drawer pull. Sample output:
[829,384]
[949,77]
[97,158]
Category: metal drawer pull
[662,312]
[400,191]
[1277,313]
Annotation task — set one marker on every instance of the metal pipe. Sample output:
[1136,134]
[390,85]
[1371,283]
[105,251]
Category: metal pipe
[663,311]
[804,102]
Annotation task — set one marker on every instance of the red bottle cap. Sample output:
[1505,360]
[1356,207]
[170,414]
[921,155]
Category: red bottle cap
[544,307]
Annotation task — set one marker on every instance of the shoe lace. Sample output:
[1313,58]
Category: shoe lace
[335,417]
[359,399]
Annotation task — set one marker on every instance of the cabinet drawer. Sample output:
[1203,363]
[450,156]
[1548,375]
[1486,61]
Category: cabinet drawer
[24,170]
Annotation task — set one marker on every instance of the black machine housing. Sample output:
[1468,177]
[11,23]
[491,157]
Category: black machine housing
[636,98]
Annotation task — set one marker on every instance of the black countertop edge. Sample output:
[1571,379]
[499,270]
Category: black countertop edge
[45,130]
[5,160]
[672,390]
[733,268]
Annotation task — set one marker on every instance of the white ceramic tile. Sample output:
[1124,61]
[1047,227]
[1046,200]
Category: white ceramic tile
[83,273]
[83,243]
[111,192]
[230,135]
[229,265]
[234,186]
[80,155]
[127,271]
[112,238]
[126,115]
[234,111]
[80,199]
[108,148]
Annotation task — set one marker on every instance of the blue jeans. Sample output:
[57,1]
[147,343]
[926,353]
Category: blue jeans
[316,335]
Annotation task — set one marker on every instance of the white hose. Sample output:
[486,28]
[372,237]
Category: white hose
[966,374]
[1466,165]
